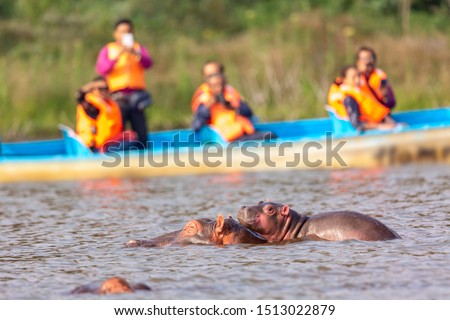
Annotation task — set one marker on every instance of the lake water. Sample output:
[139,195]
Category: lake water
[57,236]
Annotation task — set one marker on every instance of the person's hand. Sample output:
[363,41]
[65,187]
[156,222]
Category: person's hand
[134,52]
[385,93]
[210,102]
[124,49]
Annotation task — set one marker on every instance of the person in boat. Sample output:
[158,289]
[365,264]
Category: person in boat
[201,116]
[350,102]
[218,104]
[123,63]
[99,120]
[373,80]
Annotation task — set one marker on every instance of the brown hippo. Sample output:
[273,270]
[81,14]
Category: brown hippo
[111,285]
[204,231]
[277,222]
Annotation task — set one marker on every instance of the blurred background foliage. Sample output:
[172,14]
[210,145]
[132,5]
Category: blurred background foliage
[282,55]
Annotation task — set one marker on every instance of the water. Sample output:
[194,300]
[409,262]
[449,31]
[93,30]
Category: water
[57,236]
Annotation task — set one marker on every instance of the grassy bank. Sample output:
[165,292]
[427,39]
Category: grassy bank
[281,55]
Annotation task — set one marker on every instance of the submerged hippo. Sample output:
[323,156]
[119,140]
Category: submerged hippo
[277,222]
[204,231]
[111,285]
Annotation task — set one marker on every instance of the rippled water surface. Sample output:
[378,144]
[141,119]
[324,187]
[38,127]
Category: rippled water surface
[57,236]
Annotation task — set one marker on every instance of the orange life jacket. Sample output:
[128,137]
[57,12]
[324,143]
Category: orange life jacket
[96,132]
[372,85]
[369,108]
[127,71]
[196,98]
[229,124]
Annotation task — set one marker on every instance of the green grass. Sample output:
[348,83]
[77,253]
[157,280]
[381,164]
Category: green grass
[281,55]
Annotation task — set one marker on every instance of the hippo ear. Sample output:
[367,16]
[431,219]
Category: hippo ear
[219,224]
[260,202]
[267,200]
[191,228]
[285,210]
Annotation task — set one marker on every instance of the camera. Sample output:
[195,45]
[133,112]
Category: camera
[128,40]
[221,99]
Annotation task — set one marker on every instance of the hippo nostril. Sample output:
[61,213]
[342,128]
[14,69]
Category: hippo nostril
[244,207]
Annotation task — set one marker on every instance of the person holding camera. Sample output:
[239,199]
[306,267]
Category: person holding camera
[201,116]
[218,105]
[123,63]
[374,81]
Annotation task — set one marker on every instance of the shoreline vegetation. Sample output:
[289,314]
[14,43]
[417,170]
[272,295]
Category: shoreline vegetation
[281,55]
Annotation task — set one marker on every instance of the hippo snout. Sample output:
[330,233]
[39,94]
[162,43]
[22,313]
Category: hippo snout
[245,216]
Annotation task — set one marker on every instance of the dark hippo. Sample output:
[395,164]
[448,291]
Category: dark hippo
[111,285]
[277,222]
[204,231]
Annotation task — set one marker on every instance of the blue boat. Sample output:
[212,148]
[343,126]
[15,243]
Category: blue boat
[301,144]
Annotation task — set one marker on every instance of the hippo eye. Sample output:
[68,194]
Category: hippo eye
[269,209]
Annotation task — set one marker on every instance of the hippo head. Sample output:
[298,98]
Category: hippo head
[111,286]
[230,231]
[115,285]
[200,231]
[204,231]
[266,218]
[220,232]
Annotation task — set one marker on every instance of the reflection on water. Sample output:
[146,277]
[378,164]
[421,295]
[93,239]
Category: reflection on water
[343,181]
[57,236]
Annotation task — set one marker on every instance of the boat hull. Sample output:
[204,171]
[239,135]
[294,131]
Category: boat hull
[328,152]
